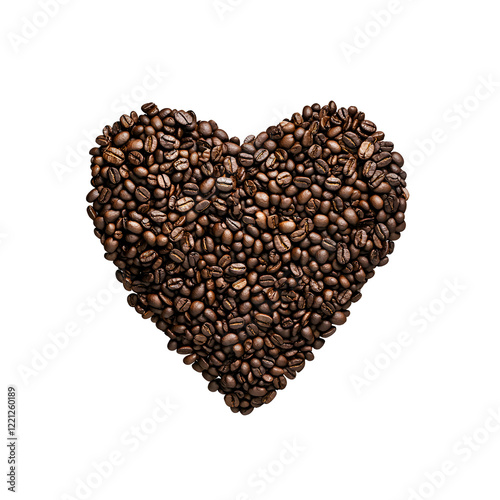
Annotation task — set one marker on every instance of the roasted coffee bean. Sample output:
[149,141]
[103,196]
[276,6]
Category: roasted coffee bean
[148,256]
[237,269]
[382,159]
[361,238]
[366,150]
[327,309]
[381,231]
[267,280]
[391,204]
[298,235]
[104,195]
[230,338]
[329,245]
[135,158]
[224,184]
[191,189]
[263,320]
[181,164]
[150,144]
[232,400]
[114,156]
[282,243]
[157,216]
[368,127]
[240,284]
[333,183]
[182,304]
[284,179]
[287,226]
[142,194]
[202,206]
[183,118]
[164,181]
[236,323]
[351,140]
[350,167]
[114,175]
[176,234]
[344,297]
[377,178]
[247,255]
[315,151]
[168,142]
[177,256]
[343,254]
[184,204]
[302,182]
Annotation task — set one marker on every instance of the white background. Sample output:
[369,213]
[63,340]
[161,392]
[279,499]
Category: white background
[361,424]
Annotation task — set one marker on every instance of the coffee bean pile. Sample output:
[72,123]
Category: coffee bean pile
[246,255]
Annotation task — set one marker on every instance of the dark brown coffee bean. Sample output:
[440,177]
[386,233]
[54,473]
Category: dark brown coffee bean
[190,189]
[263,320]
[377,178]
[236,323]
[177,256]
[368,127]
[237,269]
[202,206]
[350,167]
[148,256]
[157,216]
[314,151]
[230,339]
[114,175]
[361,238]
[298,235]
[182,304]
[142,194]
[329,245]
[282,243]
[344,297]
[382,159]
[184,204]
[333,183]
[343,254]
[231,400]
[381,231]
[177,234]
[114,156]
[181,164]
[183,118]
[351,140]
[302,182]
[284,179]
[224,184]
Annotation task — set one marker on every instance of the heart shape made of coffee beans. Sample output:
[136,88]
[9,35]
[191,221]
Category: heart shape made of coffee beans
[246,255]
